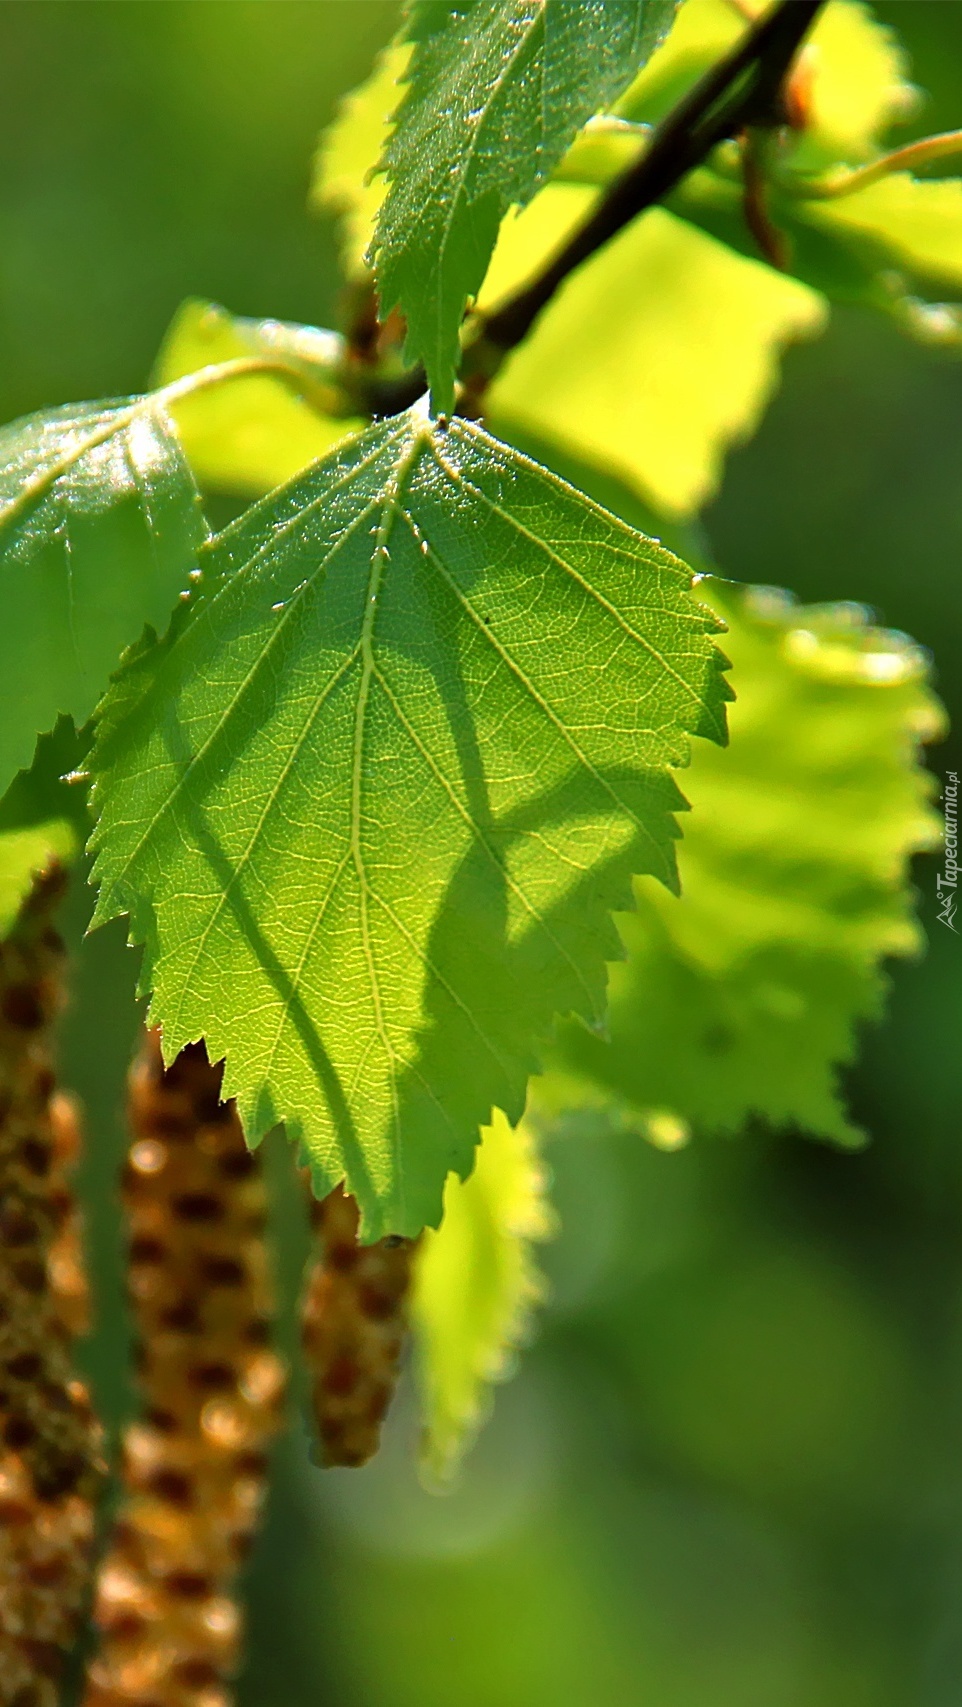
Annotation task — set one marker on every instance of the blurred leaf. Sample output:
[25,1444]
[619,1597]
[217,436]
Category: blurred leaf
[23,853]
[857,86]
[877,247]
[100,525]
[854,75]
[371,804]
[654,357]
[43,816]
[911,224]
[715,204]
[496,90]
[345,182]
[250,435]
[475,1288]
[743,997]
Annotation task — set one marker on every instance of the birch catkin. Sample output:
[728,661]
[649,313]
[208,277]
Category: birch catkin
[353,1321]
[50,1464]
[194,1464]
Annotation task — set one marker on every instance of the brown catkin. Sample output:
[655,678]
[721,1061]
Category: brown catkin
[51,1468]
[213,1390]
[353,1320]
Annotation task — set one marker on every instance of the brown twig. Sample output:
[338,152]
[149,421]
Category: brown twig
[772,242]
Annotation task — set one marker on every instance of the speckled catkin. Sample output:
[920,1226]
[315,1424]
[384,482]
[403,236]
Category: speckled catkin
[194,1465]
[50,1465]
[353,1321]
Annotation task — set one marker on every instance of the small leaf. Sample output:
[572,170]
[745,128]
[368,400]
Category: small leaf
[100,524]
[251,434]
[497,89]
[370,805]
[654,357]
[743,998]
[476,1286]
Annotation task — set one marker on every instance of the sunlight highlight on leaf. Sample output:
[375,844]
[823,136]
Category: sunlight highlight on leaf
[655,356]
[344,181]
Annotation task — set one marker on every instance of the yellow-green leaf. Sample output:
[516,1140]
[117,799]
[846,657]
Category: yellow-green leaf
[855,83]
[345,183]
[371,802]
[743,998]
[25,852]
[909,223]
[251,434]
[654,357]
[476,1286]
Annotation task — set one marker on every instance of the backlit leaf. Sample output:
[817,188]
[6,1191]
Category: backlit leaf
[855,75]
[476,1285]
[743,998]
[899,222]
[371,804]
[345,182]
[654,357]
[249,435]
[42,817]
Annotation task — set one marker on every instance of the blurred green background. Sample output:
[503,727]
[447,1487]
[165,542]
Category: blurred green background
[730,1472]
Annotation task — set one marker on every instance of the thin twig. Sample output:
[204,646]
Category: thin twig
[845,183]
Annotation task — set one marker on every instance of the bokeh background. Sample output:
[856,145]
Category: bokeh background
[729,1474]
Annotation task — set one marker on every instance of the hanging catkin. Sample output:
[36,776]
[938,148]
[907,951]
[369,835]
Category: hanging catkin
[194,1465]
[353,1320]
[50,1464]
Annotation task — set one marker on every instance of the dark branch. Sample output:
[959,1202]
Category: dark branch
[744,89]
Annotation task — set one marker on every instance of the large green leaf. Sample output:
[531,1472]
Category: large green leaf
[476,1286]
[370,806]
[496,90]
[100,524]
[743,998]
